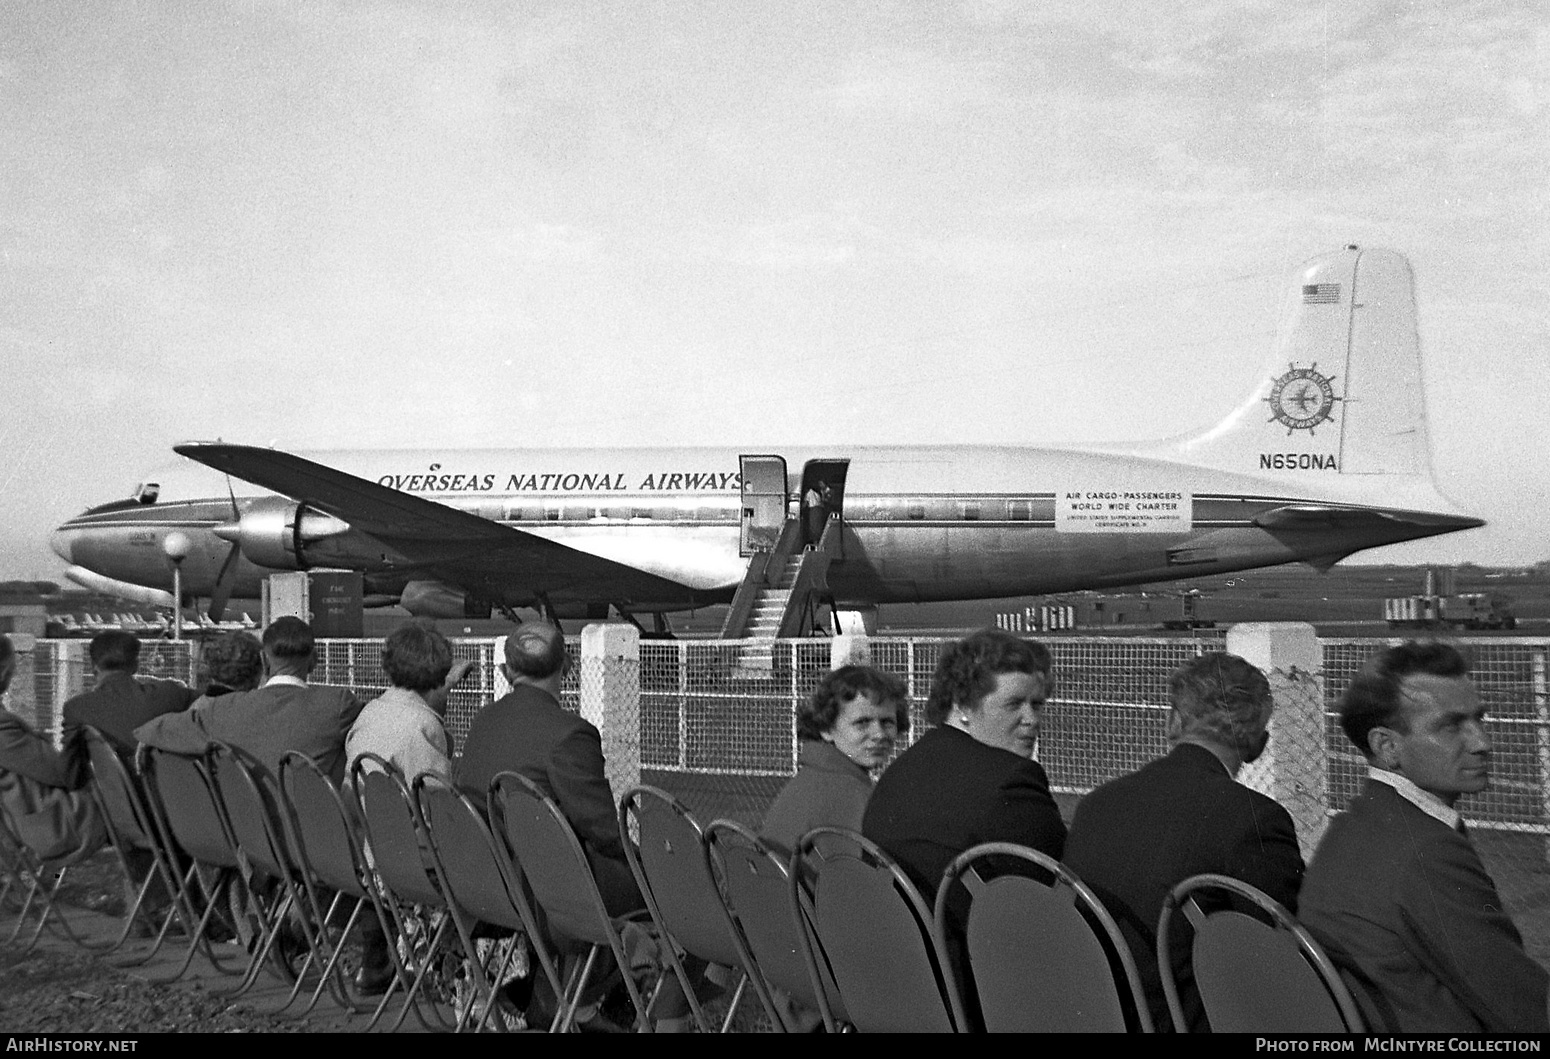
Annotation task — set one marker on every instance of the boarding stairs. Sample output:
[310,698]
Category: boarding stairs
[779,596]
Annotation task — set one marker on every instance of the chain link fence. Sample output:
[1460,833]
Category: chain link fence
[695,717]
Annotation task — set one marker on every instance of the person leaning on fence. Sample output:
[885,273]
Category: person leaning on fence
[972,777]
[39,795]
[848,728]
[1134,838]
[1397,893]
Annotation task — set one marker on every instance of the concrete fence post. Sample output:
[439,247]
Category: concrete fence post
[1294,770]
[22,698]
[610,697]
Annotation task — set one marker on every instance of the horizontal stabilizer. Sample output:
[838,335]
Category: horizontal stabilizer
[1296,518]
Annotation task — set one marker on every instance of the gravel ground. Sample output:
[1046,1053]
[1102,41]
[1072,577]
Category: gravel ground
[60,988]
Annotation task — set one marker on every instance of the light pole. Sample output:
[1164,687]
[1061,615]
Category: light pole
[176,547]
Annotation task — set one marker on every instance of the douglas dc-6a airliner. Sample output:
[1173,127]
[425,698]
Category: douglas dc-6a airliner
[1328,456]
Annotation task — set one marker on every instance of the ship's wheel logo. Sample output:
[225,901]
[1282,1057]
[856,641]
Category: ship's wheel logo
[1302,398]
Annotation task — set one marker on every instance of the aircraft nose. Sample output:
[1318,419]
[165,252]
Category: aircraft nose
[61,540]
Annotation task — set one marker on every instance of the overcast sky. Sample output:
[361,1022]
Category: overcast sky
[372,224]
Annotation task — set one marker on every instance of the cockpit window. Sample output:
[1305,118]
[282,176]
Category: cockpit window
[146,492]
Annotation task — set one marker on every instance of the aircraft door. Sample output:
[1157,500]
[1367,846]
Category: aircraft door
[823,496]
[764,502]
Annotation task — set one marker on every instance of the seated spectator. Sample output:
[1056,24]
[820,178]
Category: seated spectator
[1134,838]
[847,730]
[406,724]
[119,701]
[232,661]
[528,732]
[38,793]
[1397,893]
[972,777]
[285,714]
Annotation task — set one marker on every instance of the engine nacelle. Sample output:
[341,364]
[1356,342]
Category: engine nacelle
[435,599]
[275,532]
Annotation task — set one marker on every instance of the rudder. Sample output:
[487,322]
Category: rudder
[1342,394]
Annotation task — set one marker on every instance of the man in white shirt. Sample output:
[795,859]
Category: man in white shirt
[1396,892]
[286,713]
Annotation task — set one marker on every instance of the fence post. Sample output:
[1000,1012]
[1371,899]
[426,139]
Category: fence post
[1541,690]
[1294,769]
[610,697]
[847,649]
[22,699]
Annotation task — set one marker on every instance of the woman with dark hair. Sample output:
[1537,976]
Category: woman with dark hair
[405,723]
[847,731]
[972,778]
[233,661]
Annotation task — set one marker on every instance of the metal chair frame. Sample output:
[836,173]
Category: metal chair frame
[732,852]
[809,864]
[1184,897]
[680,911]
[131,826]
[481,884]
[197,827]
[393,830]
[249,799]
[327,849]
[1128,995]
[518,806]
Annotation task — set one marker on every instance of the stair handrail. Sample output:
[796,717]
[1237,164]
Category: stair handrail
[761,566]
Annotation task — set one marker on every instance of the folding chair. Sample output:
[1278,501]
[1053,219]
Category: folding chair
[1042,956]
[188,816]
[131,830]
[329,856]
[545,846]
[1256,969]
[419,913]
[248,798]
[680,890]
[858,910]
[480,884]
[755,894]
[44,873]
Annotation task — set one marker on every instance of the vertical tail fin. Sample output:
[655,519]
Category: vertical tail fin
[1342,395]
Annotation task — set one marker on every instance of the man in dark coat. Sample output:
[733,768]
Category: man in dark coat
[286,713]
[37,790]
[530,733]
[1396,892]
[120,701]
[1135,838]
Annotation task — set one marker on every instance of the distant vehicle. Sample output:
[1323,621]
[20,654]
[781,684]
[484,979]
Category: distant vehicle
[1188,613]
[1468,610]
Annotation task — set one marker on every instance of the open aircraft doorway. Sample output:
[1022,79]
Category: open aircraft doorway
[764,502]
[823,498]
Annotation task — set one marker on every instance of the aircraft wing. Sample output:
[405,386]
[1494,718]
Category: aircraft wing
[491,560]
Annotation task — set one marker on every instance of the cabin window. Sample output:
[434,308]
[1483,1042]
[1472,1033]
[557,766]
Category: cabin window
[552,513]
[1019,510]
[642,512]
[916,511]
[971,511]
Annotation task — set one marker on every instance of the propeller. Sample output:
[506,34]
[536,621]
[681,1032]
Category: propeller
[224,581]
